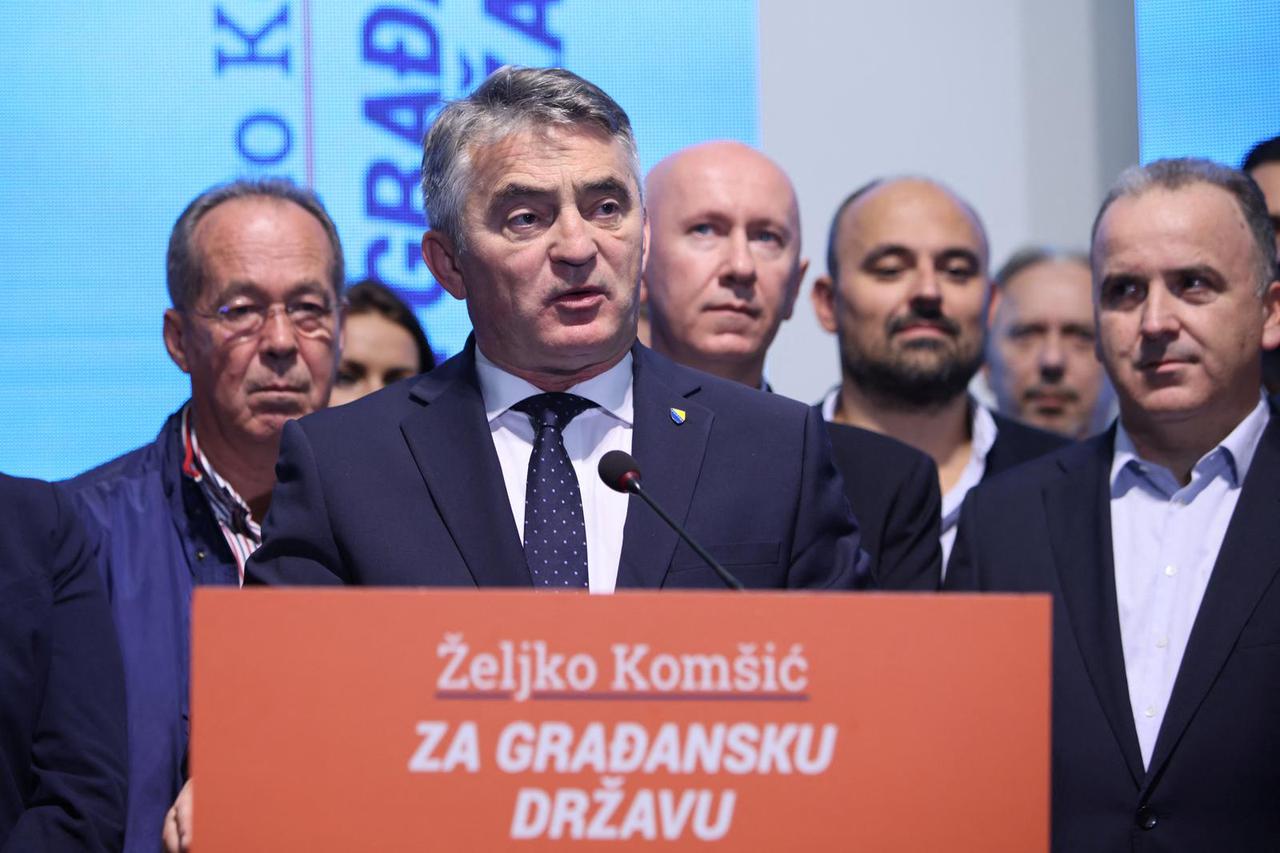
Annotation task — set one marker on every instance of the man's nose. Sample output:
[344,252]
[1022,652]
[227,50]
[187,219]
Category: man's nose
[926,286]
[1053,361]
[572,242]
[1159,313]
[740,265]
[278,334]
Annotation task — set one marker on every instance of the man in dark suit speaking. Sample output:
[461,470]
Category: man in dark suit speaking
[1159,538]
[484,471]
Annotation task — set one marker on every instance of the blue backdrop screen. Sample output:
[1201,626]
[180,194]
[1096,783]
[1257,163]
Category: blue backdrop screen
[116,115]
[1208,77]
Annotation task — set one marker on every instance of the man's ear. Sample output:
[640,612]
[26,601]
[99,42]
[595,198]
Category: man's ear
[644,252]
[793,288]
[993,305]
[175,340]
[441,256]
[823,296]
[1271,316]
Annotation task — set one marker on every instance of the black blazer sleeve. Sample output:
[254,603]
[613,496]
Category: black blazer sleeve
[58,643]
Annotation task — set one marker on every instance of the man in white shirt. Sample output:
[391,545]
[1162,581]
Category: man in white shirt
[1159,538]
[906,293]
[483,472]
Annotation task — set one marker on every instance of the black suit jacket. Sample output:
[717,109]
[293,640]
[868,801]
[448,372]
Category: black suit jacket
[1214,778]
[62,726]
[403,487]
[1016,443]
[893,491]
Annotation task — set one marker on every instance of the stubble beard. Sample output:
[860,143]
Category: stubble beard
[905,381]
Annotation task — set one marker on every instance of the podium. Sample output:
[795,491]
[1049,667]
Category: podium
[388,720]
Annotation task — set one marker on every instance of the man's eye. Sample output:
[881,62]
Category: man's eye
[702,229]
[239,311]
[769,237]
[523,220]
[609,208]
[887,271]
[1122,291]
[308,309]
[959,272]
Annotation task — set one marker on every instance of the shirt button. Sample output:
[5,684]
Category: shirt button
[1149,712]
[1170,570]
[1162,643]
[199,555]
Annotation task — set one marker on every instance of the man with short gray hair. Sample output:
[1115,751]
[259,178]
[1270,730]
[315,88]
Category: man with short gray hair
[1158,537]
[254,273]
[1041,364]
[484,471]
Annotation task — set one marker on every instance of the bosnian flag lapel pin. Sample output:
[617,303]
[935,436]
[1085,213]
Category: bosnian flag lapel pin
[678,416]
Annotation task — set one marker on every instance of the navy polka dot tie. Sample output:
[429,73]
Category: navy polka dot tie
[555,537]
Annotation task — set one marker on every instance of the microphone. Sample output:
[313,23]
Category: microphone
[620,472]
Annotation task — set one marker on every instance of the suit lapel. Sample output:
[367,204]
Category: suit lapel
[670,457]
[1081,542]
[1246,565]
[450,441]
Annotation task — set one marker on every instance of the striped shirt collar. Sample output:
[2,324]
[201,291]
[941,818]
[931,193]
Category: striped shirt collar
[242,533]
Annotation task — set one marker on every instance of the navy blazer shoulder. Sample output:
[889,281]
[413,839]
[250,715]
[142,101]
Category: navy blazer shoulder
[1017,443]
[403,487]
[1213,781]
[893,491]
[62,725]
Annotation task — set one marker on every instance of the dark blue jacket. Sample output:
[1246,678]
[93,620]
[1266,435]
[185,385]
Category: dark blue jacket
[155,538]
[62,730]
[403,488]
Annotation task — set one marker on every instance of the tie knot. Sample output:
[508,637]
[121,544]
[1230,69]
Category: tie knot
[554,409]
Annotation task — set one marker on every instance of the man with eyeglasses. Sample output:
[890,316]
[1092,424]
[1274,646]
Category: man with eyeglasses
[254,271]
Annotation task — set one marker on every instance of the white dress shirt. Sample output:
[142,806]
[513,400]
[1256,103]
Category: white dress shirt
[588,437]
[983,430]
[1165,538]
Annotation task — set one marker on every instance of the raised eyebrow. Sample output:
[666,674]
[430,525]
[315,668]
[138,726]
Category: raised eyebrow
[891,249]
[607,186]
[961,254]
[1197,272]
[771,225]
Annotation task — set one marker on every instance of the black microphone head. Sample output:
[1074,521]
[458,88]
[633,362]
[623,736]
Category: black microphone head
[619,470]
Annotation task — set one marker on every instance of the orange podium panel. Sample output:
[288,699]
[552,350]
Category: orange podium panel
[387,720]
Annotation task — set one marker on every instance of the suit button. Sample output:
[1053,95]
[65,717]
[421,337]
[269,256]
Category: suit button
[199,555]
[1146,818]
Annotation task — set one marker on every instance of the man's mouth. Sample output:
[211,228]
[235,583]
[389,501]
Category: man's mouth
[744,308]
[579,298]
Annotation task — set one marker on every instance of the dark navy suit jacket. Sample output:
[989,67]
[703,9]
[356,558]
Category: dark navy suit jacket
[1016,443]
[404,488]
[1214,778]
[62,729]
[893,491]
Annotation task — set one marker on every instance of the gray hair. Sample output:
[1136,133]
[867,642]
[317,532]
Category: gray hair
[1032,256]
[184,268]
[510,100]
[1175,174]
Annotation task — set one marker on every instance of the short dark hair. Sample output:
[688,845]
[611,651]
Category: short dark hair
[1177,173]
[373,297]
[184,268]
[1266,151]
[1031,256]
[511,99]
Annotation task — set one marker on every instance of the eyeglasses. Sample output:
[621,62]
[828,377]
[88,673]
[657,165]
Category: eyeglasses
[310,316]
